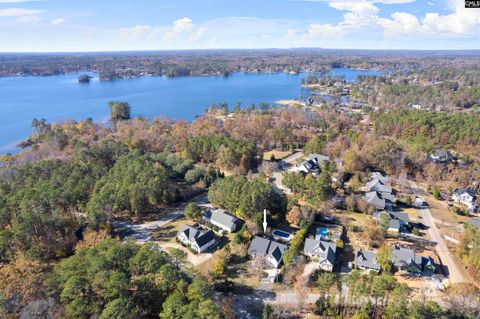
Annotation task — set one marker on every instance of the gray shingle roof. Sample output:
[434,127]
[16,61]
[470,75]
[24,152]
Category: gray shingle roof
[380,177]
[319,247]
[407,259]
[394,224]
[265,247]
[377,185]
[367,259]
[221,216]
[200,237]
[375,199]
[400,216]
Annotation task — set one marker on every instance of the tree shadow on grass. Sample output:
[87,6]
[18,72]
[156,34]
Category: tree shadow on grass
[164,233]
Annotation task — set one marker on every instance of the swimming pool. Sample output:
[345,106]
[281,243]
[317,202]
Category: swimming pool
[322,232]
[281,233]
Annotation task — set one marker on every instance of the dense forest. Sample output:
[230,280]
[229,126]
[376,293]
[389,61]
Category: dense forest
[60,193]
[223,62]
[429,130]
[443,88]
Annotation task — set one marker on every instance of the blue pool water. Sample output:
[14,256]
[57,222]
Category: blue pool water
[322,231]
[281,233]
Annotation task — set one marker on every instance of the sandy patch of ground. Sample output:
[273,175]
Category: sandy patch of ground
[194,259]
[310,268]
[290,102]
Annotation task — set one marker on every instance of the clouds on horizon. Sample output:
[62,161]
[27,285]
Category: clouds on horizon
[361,24]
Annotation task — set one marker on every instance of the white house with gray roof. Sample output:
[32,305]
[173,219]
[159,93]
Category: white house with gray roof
[272,251]
[312,165]
[397,221]
[199,240]
[467,197]
[221,219]
[322,251]
[367,260]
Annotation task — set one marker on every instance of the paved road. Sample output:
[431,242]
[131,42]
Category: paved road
[292,158]
[456,271]
[141,232]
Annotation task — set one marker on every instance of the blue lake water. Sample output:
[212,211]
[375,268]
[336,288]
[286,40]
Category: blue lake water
[61,97]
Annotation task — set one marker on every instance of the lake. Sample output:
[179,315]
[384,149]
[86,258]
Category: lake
[61,97]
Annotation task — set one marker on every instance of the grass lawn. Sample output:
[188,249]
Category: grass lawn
[278,154]
[412,213]
[168,233]
[442,214]
[352,218]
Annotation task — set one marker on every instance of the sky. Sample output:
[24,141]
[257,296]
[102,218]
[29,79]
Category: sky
[122,25]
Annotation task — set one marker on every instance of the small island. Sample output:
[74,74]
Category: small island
[84,78]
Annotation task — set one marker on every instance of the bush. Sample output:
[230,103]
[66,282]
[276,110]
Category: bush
[192,211]
[194,175]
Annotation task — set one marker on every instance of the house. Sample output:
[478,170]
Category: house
[367,260]
[375,199]
[408,262]
[379,176]
[199,240]
[318,159]
[440,156]
[402,217]
[377,185]
[307,167]
[420,202]
[272,251]
[397,221]
[312,164]
[394,226]
[324,252]
[221,219]
[467,197]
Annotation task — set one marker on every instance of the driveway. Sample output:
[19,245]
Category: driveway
[142,232]
[455,271]
[194,259]
[292,158]
[276,179]
[276,182]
